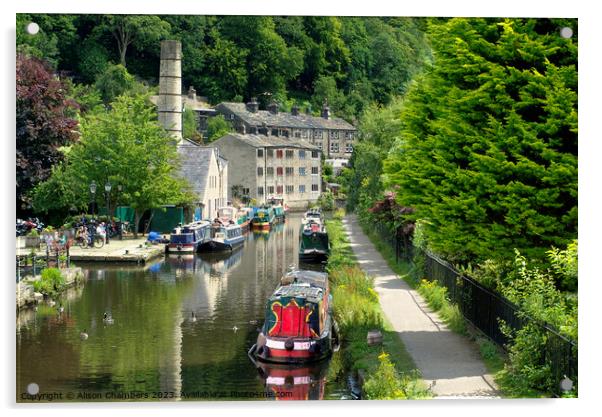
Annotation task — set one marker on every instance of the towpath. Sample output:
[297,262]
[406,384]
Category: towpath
[448,362]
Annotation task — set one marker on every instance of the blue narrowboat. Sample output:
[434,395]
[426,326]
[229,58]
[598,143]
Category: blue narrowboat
[190,237]
[264,218]
[224,237]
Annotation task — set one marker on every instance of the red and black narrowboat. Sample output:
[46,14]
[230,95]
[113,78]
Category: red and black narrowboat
[298,326]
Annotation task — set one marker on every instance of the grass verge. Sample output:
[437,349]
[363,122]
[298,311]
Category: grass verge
[388,370]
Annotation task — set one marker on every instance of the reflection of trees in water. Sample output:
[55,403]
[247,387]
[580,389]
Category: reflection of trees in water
[141,350]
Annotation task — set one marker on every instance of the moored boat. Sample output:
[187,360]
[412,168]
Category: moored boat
[190,237]
[298,326]
[263,217]
[279,207]
[230,214]
[314,215]
[224,237]
[314,245]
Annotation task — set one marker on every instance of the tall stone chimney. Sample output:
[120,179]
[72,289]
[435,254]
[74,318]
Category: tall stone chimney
[170,88]
[295,110]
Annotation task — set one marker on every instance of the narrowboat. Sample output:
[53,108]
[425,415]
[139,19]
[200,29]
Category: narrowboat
[229,213]
[314,215]
[190,237]
[224,237]
[314,246]
[263,218]
[279,207]
[298,325]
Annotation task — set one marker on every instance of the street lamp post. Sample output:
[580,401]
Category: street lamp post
[93,192]
[119,188]
[109,217]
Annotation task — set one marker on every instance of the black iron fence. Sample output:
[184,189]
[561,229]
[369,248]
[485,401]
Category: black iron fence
[487,309]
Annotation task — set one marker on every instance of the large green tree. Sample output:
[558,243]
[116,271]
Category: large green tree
[126,147]
[488,153]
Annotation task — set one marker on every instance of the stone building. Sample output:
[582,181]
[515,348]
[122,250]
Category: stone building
[334,136]
[207,172]
[266,166]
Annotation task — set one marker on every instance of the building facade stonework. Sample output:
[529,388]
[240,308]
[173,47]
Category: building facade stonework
[333,136]
[263,167]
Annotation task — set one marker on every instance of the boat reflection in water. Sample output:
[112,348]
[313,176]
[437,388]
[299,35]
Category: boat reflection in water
[293,382]
[219,263]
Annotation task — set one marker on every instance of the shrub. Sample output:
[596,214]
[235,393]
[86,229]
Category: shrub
[51,282]
[326,201]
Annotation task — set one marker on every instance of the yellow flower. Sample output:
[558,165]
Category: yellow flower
[383,356]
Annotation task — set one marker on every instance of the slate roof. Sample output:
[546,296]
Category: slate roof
[194,164]
[262,141]
[281,119]
[197,105]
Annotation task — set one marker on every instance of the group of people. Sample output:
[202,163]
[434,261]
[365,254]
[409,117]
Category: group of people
[84,231]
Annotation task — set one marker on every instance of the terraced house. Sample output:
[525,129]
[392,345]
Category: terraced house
[332,135]
[266,166]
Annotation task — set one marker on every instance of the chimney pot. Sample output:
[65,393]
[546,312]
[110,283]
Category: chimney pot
[326,110]
[192,93]
[273,107]
[253,105]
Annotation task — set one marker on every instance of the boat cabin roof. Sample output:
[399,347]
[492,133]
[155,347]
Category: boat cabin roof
[301,276]
[303,290]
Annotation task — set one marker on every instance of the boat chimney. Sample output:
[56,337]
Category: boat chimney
[170,88]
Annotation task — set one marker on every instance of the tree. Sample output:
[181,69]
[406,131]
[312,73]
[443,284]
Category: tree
[43,124]
[115,81]
[217,127]
[488,148]
[137,30]
[190,125]
[126,147]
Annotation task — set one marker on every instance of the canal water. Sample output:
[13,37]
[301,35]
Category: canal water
[182,328]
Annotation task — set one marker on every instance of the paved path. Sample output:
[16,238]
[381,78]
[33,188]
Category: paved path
[115,251]
[450,363]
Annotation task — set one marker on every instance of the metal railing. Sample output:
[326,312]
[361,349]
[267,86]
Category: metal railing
[486,309]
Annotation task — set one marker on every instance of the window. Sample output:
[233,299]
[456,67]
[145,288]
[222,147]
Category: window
[348,148]
[315,187]
[302,171]
[315,154]
[314,170]
[301,154]
[270,153]
[270,171]
[259,171]
[301,189]
[289,171]
[318,134]
[279,153]
[334,147]
[297,134]
[246,191]
[271,189]
[231,116]
[334,134]
[290,189]
[279,171]
[279,189]
[274,132]
[319,145]
[259,190]
[304,133]
[285,133]
[289,154]
[260,153]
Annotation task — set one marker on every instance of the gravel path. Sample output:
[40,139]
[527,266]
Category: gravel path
[449,363]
